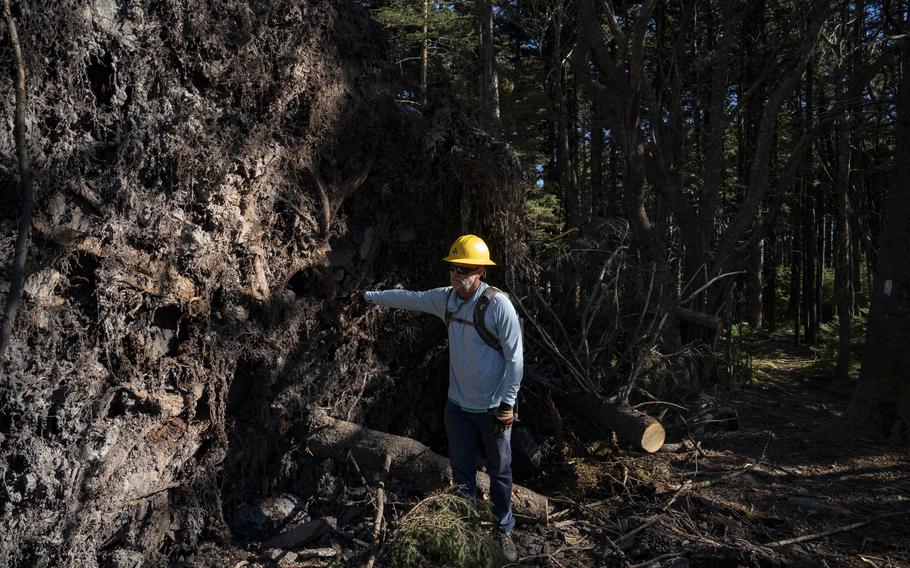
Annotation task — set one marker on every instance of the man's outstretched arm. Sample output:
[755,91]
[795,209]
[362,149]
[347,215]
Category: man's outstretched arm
[429,301]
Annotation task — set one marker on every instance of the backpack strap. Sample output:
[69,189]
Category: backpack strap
[450,317]
[447,316]
[480,312]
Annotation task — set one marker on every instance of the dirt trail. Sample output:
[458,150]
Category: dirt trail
[809,478]
[778,474]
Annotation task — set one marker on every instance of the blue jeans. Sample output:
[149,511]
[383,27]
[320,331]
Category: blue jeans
[468,432]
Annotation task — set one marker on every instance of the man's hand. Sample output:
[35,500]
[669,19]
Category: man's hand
[502,419]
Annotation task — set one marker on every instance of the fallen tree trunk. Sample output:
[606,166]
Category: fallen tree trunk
[632,427]
[406,459]
[701,319]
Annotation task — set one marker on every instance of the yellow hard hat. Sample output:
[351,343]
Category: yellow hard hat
[469,250]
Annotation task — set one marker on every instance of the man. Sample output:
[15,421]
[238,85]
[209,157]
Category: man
[484,375]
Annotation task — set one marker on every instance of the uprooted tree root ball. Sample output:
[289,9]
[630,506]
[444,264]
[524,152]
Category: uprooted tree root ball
[213,182]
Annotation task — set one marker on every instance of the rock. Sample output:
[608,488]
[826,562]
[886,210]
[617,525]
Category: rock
[267,515]
[280,509]
[281,557]
[302,534]
[40,286]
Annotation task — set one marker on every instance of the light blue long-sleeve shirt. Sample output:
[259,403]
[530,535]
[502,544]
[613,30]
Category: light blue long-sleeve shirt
[479,376]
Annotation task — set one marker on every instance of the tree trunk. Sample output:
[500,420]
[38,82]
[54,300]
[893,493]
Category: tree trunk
[809,233]
[424,52]
[769,303]
[567,180]
[404,458]
[795,278]
[842,267]
[881,403]
[810,265]
[754,287]
[489,81]
[598,191]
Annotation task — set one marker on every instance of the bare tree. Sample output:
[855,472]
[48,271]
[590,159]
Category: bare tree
[644,113]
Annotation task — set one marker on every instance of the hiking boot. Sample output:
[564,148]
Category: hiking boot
[508,547]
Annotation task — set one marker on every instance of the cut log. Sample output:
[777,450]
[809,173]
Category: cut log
[406,459]
[633,428]
[700,319]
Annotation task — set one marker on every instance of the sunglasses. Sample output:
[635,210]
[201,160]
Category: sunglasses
[464,271]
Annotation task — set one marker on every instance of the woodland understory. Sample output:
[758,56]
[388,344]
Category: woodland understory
[214,183]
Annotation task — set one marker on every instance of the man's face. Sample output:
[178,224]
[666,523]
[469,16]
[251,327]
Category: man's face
[464,278]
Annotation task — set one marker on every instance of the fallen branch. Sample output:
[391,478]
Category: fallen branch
[823,534]
[377,523]
[27,192]
[657,559]
[688,485]
[380,508]
[406,459]
[550,555]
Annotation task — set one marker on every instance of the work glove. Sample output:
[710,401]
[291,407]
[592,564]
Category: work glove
[502,419]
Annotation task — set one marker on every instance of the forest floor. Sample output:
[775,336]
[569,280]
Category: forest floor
[780,472]
[764,481]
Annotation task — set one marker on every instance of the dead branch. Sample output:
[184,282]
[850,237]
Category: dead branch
[823,534]
[550,555]
[551,345]
[316,553]
[657,559]
[377,523]
[682,489]
[722,478]
[626,389]
[27,192]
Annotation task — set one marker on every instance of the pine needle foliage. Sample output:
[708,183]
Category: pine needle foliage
[444,530]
